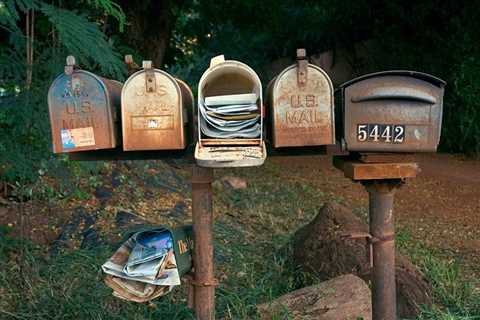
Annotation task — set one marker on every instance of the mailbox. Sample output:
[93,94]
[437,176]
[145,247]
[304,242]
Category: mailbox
[154,111]
[393,111]
[230,116]
[300,106]
[83,110]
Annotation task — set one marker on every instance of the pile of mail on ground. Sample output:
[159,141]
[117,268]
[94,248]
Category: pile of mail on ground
[144,267]
[230,116]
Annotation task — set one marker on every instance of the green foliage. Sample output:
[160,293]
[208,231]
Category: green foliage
[455,298]
[24,122]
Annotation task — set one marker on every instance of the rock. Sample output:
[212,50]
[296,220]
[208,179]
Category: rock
[125,219]
[234,182]
[344,298]
[103,194]
[76,230]
[179,210]
[321,248]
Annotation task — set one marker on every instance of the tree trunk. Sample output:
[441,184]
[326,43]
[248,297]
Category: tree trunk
[149,26]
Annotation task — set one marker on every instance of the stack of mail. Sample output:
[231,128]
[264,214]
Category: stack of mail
[144,267]
[230,116]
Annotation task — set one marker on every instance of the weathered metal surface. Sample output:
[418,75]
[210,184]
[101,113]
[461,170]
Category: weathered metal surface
[393,111]
[301,108]
[381,196]
[83,110]
[357,170]
[226,77]
[152,111]
[202,212]
[230,156]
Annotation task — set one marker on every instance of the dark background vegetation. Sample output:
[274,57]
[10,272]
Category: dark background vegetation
[437,37]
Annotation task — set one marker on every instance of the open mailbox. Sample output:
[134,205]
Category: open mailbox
[230,116]
[83,110]
[300,106]
[393,111]
[154,111]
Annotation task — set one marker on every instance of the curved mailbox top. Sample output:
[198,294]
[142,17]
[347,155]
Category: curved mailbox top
[152,111]
[414,74]
[229,77]
[82,109]
[301,106]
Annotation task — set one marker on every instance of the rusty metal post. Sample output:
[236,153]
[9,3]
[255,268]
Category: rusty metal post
[381,196]
[202,212]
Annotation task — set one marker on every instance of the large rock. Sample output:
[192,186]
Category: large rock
[344,298]
[323,249]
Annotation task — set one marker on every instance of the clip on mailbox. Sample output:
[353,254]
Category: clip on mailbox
[393,111]
[83,110]
[301,109]
[154,111]
[230,116]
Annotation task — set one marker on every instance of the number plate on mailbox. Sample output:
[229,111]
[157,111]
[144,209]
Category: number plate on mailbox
[381,133]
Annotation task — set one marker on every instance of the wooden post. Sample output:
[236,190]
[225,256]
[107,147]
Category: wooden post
[202,211]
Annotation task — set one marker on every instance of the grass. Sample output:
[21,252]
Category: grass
[253,229]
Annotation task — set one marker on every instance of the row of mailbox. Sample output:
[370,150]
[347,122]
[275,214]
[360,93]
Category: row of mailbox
[392,111]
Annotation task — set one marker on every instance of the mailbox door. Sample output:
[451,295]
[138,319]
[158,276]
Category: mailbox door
[302,114]
[393,113]
[152,120]
[80,113]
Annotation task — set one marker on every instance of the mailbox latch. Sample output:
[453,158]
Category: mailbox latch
[150,84]
[302,67]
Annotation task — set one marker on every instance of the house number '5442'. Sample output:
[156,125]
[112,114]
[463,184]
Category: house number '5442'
[381,133]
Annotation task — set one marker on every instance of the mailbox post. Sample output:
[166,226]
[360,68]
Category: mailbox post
[381,194]
[385,115]
[381,180]
[202,211]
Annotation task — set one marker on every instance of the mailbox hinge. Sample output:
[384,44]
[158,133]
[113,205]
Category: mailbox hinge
[302,67]
[150,84]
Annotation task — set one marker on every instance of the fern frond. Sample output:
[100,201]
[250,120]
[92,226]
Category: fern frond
[83,39]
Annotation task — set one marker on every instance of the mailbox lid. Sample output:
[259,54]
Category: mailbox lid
[82,112]
[400,111]
[302,114]
[152,120]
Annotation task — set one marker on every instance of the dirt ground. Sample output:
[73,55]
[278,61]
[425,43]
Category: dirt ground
[440,208]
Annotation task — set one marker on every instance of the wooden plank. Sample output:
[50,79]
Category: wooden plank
[357,170]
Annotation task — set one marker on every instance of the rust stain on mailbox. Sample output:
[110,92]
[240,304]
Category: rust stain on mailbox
[393,111]
[153,115]
[83,110]
[300,101]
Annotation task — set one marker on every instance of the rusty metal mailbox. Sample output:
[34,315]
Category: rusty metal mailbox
[393,111]
[154,111]
[300,105]
[230,116]
[83,110]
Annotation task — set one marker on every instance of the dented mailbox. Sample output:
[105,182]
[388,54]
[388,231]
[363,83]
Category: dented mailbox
[83,110]
[393,111]
[300,105]
[230,116]
[154,111]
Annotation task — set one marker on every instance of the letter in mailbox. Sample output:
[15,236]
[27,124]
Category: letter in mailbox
[393,111]
[230,116]
[83,110]
[301,106]
[154,110]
